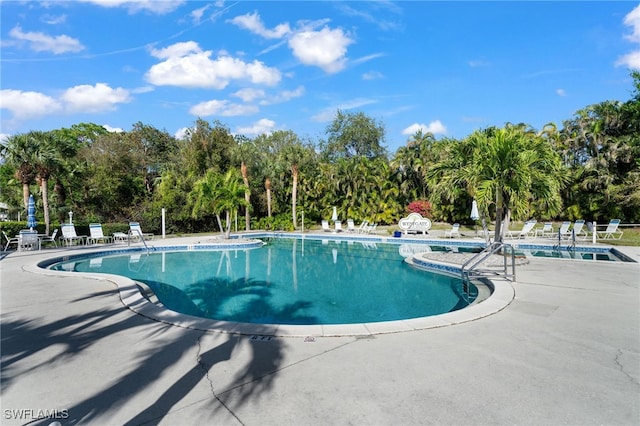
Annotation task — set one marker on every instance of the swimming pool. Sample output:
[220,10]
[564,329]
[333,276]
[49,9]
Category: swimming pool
[287,281]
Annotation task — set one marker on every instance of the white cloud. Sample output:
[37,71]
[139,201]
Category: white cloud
[561,92]
[262,126]
[153,6]
[25,105]
[41,42]
[53,20]
[372,75]
[93,99]
[186,65]
[112,129]
[325,48]
[222,108]
[329,113]
[435,128]
[633,20]
[253,23]
[631,60]
[284,96]
[196,14]
[249,94]
[182,133]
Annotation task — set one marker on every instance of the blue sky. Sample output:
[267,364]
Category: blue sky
[258,66]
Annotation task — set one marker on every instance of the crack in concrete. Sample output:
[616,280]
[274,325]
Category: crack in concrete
[622,369]
[205,369]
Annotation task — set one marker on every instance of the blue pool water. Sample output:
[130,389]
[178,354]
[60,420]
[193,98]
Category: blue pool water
[288,281]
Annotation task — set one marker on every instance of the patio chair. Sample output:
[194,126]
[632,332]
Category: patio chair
[50,238]
[453,232]
[578,229]
[338,226]
[524,232]
[612,230]
[96,235]
[563,232]
[361,228]
[69,235]
[325,226]
[545,231]
[351,227]
[136,231]
[13,240]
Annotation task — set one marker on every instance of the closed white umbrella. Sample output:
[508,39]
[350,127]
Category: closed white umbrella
[474,214]
[31,213]
[334,216]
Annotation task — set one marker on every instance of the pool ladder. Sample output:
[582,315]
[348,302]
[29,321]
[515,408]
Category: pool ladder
[472,268]
[141,239]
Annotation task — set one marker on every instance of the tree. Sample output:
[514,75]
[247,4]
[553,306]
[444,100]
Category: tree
[509,167]
[246,154]
[20,151]
[354,135]
[217,193]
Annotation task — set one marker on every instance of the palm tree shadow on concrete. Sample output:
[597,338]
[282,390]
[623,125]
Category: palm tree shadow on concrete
[165,346]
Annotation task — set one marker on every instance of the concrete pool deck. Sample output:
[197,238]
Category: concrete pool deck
[565,350]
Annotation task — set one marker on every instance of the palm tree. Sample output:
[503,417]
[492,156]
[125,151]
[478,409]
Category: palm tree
[19,151]
[217,194]
[245,151]
[510,167]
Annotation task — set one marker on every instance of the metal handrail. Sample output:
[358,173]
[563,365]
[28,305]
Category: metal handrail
[470,266]
[141,239]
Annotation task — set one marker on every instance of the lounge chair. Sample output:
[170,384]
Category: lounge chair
[524,232]
[338,226]
[351,227]
[612,230]
[96,235]
[50,238]
[13,240]
[370,228]
[563,232]
[577,229]
[361,228]
[136,231]
[453,232]
[70,237]
[545,231]
[325,226]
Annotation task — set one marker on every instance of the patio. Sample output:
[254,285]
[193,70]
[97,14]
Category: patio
[566,350]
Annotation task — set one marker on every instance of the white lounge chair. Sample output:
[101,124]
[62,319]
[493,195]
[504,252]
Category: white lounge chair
[96,235]
[578,231]
[351,227]
[545,231]
[453,232]
[69,235]
[50,238]
[12,240]
[525,231]
[325,226]
[361,228]
[136,232]
[338,226]
[612,230]
[564,230]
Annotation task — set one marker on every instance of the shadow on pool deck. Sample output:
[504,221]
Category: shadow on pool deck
[566,351]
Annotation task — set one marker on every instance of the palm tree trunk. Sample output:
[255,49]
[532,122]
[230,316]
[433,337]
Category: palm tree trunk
[247,196]
[25,195]
[227,232]
[219,223]
[45,204]
[498,231]
[294,194]
[267,185]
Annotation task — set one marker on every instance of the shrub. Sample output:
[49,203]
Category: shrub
[420,206]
